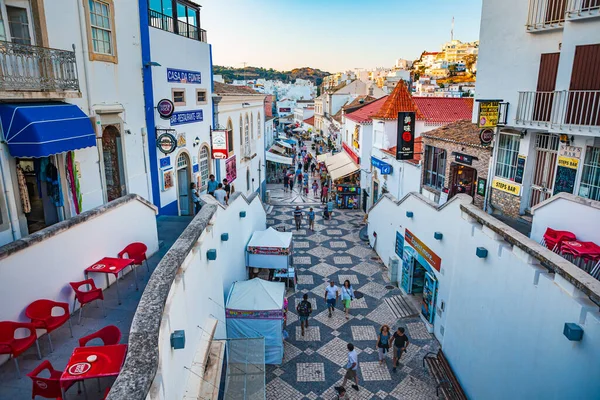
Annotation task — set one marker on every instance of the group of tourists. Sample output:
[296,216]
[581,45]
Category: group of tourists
[220,191]
[299,215]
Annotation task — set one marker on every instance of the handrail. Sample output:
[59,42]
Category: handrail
[166,23]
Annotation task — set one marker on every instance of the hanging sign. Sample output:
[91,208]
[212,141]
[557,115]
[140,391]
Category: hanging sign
[231,169]
[166,143]
[384,168]
[219,144]
[486,136]
[406,136]
[508,187]
[183,76]
[569,151]
[165,108]
[488,114]
[186,117]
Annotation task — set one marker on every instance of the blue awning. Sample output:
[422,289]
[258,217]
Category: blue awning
[44,129]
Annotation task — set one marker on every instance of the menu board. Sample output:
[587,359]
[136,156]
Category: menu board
[520,169]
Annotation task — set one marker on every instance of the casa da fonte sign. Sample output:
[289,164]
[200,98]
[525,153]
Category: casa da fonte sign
[183,76]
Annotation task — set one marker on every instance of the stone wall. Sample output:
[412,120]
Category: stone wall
[507,203]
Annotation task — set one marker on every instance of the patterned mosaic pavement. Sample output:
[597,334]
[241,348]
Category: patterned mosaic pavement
[313,364]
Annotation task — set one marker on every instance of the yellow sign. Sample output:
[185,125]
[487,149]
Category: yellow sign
[488,114]
[508,187]
[568,162]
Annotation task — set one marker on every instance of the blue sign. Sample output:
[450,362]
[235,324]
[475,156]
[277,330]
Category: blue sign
[186,117]
[399,248]
[165,162]
[195,168]
[385,168]
[183,76]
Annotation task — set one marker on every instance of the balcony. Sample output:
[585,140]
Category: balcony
[551,14]
[167,23]
[37,72]
[579,9]
[572,110]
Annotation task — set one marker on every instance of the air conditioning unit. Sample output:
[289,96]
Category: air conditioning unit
[393,268]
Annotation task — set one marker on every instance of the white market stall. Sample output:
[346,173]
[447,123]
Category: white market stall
[272,249]
[254,309]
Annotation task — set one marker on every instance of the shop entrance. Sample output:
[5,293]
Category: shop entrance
[183,184]
[464,180]
[114,172]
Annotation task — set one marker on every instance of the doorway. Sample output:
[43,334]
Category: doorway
[183,184]
[114,171]
[463,180]
[546,155]
[419,281]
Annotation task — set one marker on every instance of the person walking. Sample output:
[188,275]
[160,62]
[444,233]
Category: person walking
[304,309]
[195,198]
[212,185]
[298,217]
[351,369]
[383,343]
[311,219]
[342,395]
[401,342]
[221,194]
[332,292]
[305,178]
[227,188]
[286,183]
[313,167]
[305,189]
[315,188]
[347,296]
[330,208]
[291,183]
[324,193]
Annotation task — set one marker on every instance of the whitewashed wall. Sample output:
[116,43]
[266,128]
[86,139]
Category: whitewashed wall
[504,315]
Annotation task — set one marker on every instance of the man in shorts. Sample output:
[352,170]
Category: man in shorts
[304,308]
[332,293]
[351,369]
[400,344]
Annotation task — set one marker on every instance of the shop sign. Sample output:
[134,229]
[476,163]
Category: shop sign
[244,314]
[273,251]
[195,168]
[399,248]
[167,179]
[230,169]
[520,169]
[463,158]
[508,187]
[181,139]
[568,162]
[284,110]
[165,162]
[165,108]
[569,151]
[488,114]
[166,143]
[183,76]
[385,168]
[356,137]
[486,136]
[186,117]
[219,144]
[481,186]
[406,136]
[432,259]
[352,155]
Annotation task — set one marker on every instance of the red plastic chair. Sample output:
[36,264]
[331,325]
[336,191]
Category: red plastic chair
[553,239]
[86,297]
[15,347]
[137,252]
[109,335]
[46,387]
[40,313]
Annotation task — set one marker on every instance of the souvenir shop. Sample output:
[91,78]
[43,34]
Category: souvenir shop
[344,174]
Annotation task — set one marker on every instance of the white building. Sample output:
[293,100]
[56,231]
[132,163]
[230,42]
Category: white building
[303,113]
[285,107]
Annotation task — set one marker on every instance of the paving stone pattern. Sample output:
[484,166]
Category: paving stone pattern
[313,363]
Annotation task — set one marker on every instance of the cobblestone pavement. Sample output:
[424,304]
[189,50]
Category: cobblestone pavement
[280,197]
[313,364]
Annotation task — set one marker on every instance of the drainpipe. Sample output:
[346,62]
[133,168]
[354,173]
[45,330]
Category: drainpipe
[490,175]
[11,206]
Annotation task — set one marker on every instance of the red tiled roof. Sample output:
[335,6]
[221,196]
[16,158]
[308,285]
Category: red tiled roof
[431,53]
[363,114]
[418,151]
[445,110]
[462,132]
[399,101]
[225,89]
[310,121]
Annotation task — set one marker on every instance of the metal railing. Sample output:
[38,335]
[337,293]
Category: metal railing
[583,8]
[33,68]
[546,14]
[560,109]
[166,23]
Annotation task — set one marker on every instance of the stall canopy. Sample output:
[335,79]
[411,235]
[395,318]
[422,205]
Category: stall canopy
[255,309]
[298,129]
[340,165]
[277,148]
[278,159]
[44,129]
[323,157]
[270,249]
[284,144]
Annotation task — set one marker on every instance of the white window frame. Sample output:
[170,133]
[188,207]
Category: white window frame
[505,165]
[435,160]
[95,56]
[589,171]
[204,166]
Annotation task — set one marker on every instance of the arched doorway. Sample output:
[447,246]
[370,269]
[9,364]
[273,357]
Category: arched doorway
[247,179]
[114,170]
[184,177]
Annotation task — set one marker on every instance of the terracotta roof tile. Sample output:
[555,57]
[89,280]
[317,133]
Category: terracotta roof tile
[418,151]
[399,101]
[310,121]
[445,110]
[363,115]
[358,102]
[225,89]
[460,132]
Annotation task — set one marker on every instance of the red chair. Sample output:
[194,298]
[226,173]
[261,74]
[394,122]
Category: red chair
[109,335]
[40,313]
[137,252]
[553,239]
[13,346]
[86,297]
[46,387]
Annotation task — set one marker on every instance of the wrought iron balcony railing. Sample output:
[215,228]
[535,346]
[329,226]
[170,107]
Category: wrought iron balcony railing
[582,9]
[33,68]
[546,14]
[566,109]
[166,23]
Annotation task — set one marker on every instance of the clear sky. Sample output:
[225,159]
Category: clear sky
[333,35]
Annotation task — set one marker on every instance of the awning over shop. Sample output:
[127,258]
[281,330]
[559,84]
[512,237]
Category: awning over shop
[340,165]
[44,129]
[291,141]
[323,157]
[284,144]
[278,159]
[277,149]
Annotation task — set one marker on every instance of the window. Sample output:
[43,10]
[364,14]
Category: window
[258,128]
[178,96]
[203,161]
[247,145]
[2,29]
[229,136]
[187,21]
[435,167]
[590,176]
[18,24]
[506,160]
[182,161]
[101,30]
[201,96]
[241,133]
[252,126]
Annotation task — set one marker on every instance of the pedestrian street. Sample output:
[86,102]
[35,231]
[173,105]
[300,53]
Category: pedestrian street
[313,365]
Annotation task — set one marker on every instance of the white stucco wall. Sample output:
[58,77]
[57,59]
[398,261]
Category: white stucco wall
[504,315]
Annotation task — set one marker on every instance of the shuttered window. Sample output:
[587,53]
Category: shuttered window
[546,84]
[584,98]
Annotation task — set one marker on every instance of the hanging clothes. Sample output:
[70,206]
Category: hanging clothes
[53,184]
[73,180]
[23,190]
